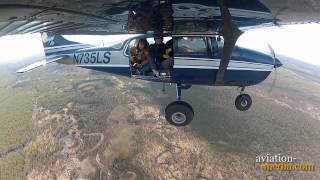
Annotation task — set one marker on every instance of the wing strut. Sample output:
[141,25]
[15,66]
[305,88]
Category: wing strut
[230,33]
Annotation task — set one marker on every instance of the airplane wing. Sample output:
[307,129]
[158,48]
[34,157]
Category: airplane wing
[123,16]
[69,17]
[226,17]
[81,17]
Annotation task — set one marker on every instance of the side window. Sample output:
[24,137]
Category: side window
[220,42]
[217,46]
[150,40]
[165,39]
[131,44]
[191,46]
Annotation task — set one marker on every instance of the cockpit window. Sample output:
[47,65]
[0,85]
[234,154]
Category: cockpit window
[191,46]
[217,45]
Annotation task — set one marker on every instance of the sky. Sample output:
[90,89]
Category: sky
[298,41]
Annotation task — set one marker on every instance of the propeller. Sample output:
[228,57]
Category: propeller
[230,33]
[276,64]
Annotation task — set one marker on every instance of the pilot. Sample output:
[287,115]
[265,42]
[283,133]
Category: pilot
[168,62]
[158,49]
[140,56]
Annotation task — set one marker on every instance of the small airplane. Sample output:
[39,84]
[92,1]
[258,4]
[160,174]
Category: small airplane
[196,61]
[204,35]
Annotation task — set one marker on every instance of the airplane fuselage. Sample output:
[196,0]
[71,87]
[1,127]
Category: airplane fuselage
[246,67]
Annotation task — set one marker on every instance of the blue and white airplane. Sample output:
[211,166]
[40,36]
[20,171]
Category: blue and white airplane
[193,64]
[204,35]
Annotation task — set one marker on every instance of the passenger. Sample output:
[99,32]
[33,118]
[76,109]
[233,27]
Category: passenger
[157,51]
[168,62]
[160,54]
[139,57]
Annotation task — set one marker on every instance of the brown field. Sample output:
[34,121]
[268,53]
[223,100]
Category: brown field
[63,122]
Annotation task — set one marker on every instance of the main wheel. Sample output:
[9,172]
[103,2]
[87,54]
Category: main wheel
[243,102]
[179,113]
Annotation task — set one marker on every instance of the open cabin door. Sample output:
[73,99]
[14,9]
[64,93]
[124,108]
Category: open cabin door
[154,69]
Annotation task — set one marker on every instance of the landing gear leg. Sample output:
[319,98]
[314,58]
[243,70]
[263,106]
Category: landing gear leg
[179,113]
[243,102]
[178,89]
[163,87]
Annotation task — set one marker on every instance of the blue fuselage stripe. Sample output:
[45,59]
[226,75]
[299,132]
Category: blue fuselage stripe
[198,75]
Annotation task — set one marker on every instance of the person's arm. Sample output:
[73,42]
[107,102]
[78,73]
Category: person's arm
[169,49]
[147,58]
[132,57]
[167,54]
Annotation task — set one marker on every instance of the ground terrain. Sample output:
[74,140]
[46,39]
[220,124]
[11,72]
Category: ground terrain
[63,122]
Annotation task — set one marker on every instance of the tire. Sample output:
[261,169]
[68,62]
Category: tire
[179,113]
[186,86]
[243,102]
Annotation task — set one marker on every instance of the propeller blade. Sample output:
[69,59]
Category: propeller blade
[276,64]
[230,33]
[275,77]
[272,53]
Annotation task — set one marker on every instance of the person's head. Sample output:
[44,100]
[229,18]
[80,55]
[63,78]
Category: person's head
[158,39]
[143,44]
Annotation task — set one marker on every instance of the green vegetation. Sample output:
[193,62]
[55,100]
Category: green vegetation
[15,129]
[15,126]
[12,167]
[15,119]
[7,76]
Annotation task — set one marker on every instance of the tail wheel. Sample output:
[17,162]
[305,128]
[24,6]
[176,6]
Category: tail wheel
[179,113]
[243,102]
